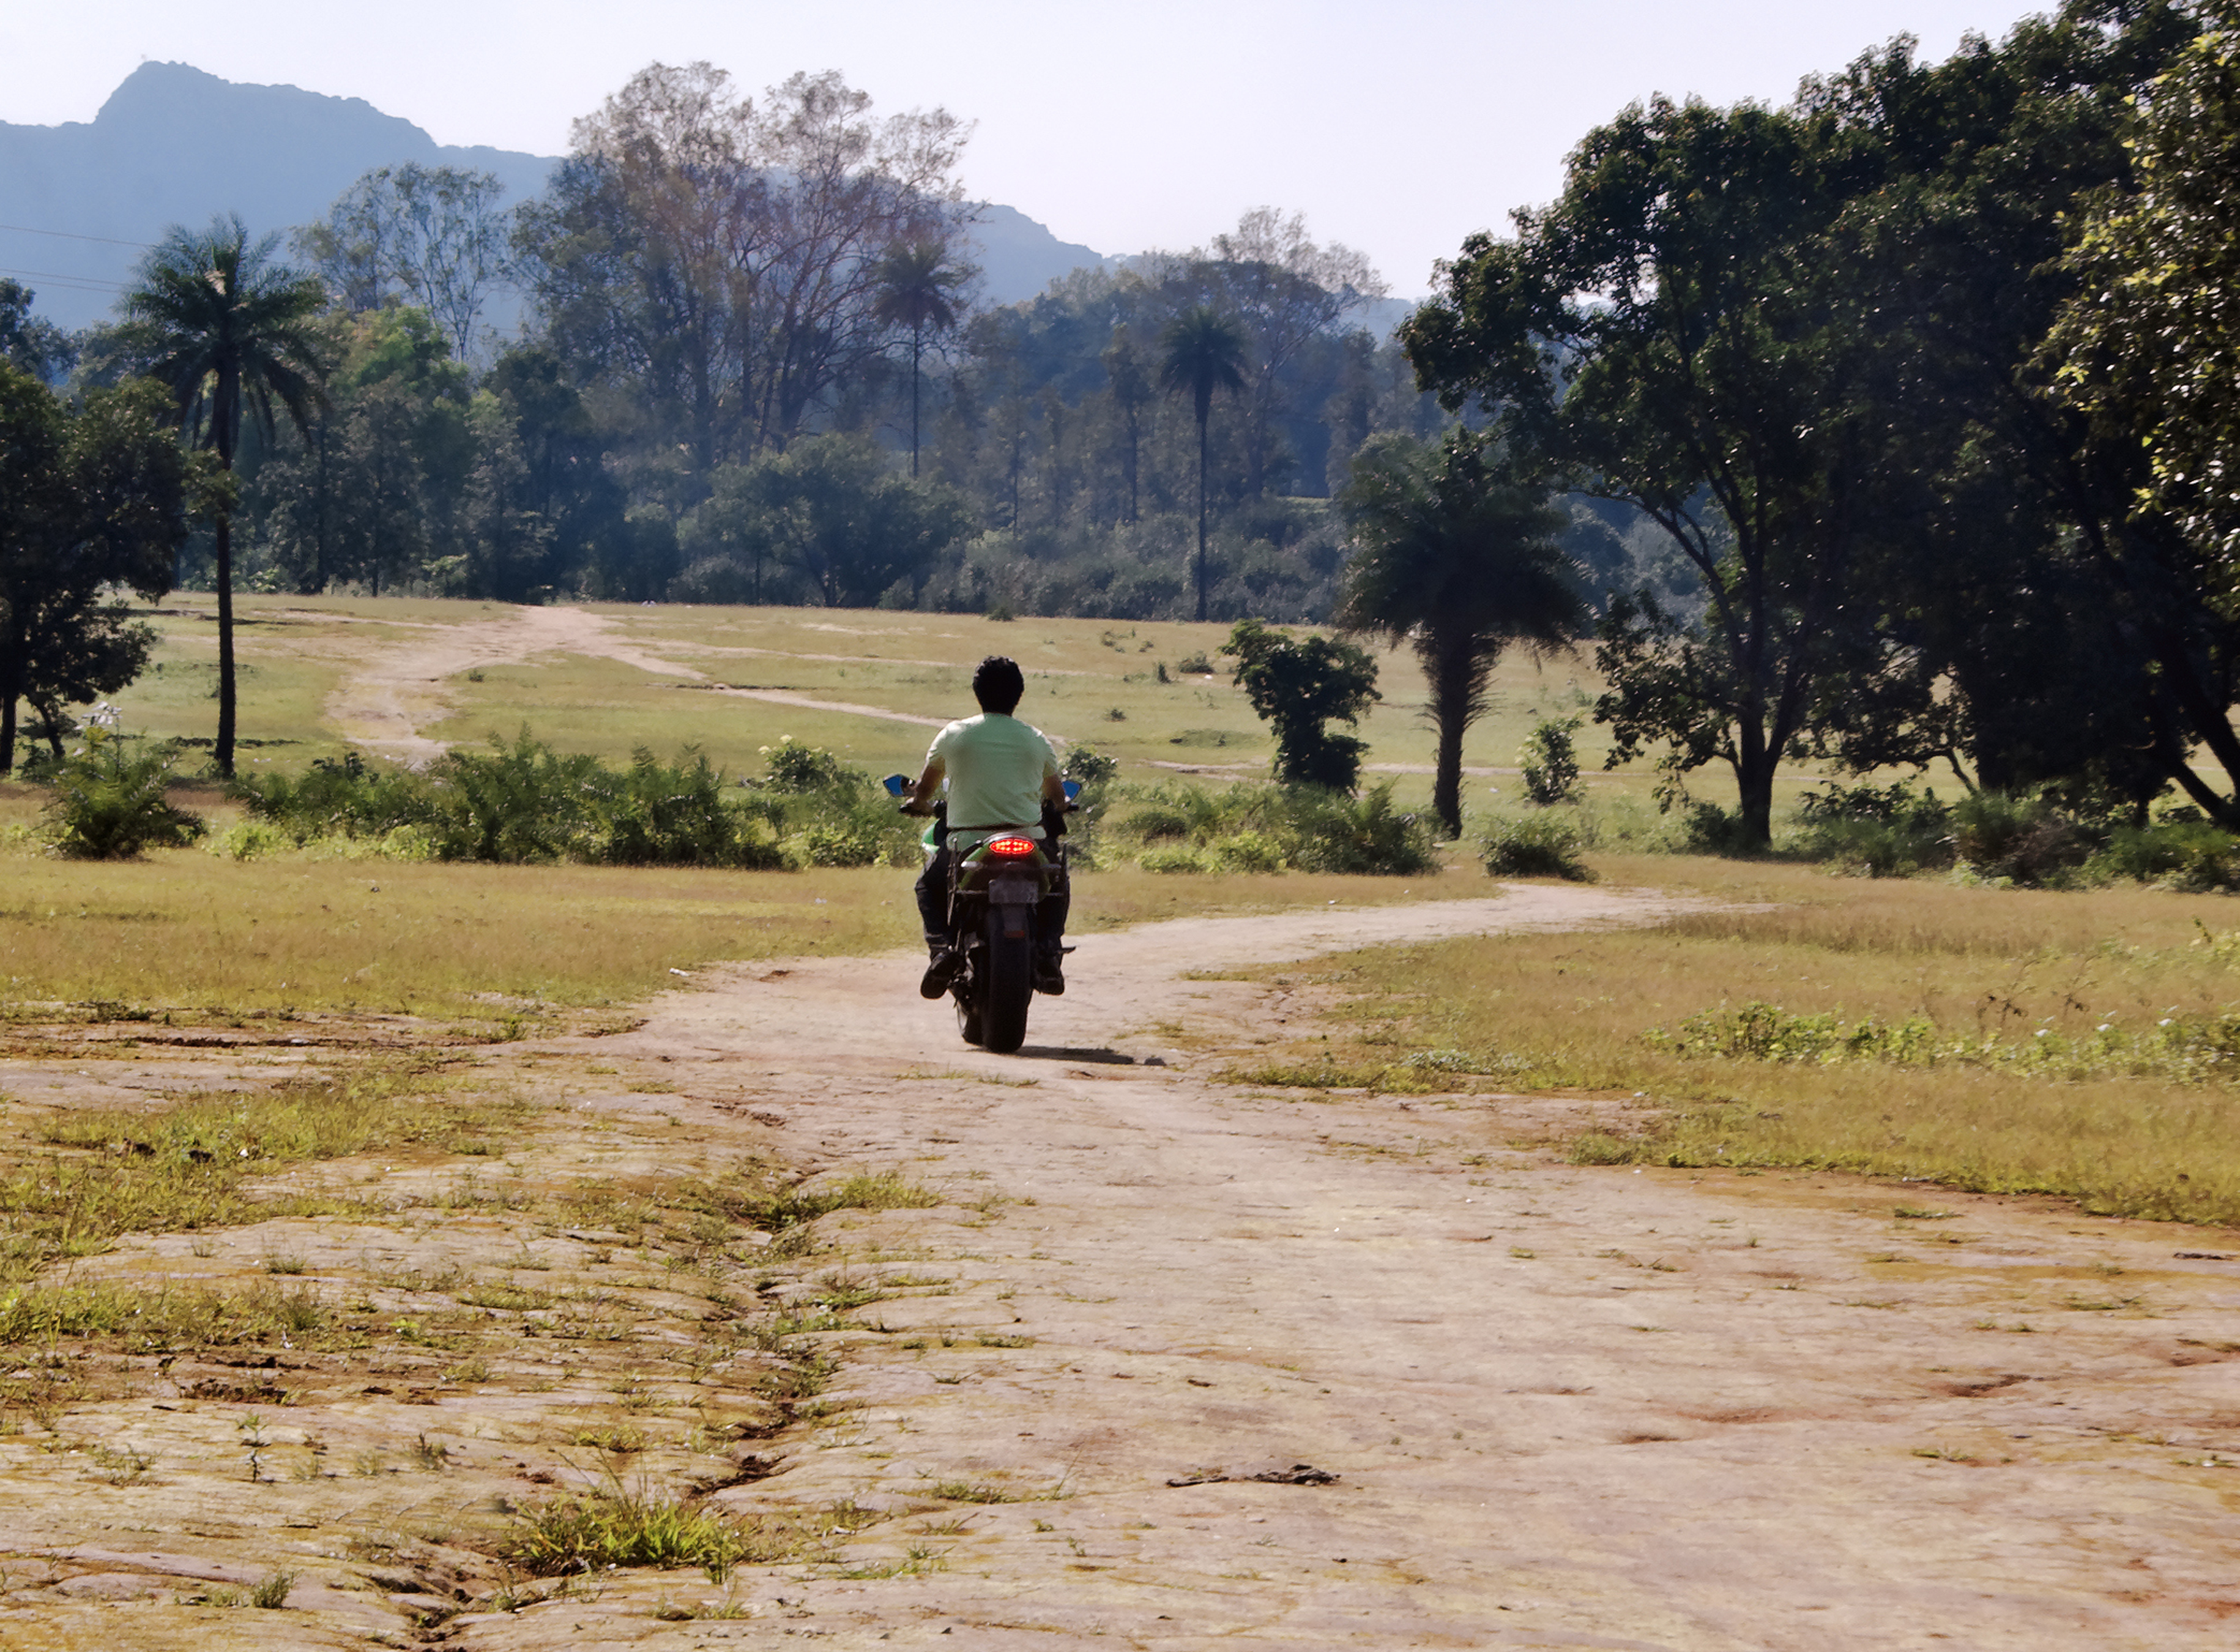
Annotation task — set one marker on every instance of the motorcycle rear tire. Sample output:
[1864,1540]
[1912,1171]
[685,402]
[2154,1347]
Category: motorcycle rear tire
[1009,987]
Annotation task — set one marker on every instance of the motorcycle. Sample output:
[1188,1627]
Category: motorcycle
[995,894]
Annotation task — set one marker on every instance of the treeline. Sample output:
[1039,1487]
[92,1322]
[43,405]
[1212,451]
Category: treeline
[1928,380]
[750,367]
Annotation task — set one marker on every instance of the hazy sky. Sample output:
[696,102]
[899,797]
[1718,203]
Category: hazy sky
[1398,127]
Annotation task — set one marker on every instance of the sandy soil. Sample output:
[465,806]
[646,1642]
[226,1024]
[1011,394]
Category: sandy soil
[1561,1406]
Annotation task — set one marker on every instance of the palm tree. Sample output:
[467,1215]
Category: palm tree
[211,317]
[1455,551]
[915,279]
[1203,352]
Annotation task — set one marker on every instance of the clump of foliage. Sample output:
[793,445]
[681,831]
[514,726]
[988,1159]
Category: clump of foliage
[610,1526]
[1336,832]
[525,803]
[110,801]
[1535,845]
[1251,828]
[2187,855]
[796,768]
[1550,761]
[2025,838]
[1298,685]
[1888,831]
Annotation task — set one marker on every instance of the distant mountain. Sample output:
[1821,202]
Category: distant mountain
[174,145]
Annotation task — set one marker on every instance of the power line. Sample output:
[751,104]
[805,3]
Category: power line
[69,235]
[75,283]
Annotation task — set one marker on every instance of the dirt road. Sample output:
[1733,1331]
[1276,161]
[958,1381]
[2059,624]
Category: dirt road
[1562,1406]
[1504,1401]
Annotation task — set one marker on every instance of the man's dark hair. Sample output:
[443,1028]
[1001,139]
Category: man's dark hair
[999,684]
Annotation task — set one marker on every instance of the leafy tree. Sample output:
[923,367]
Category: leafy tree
[1201,352]
[718,260]
[230,333]
[1456,552]
[1131,393]
[37,346]
[2147,344]
[2042,626]
[1297,685]
[916,281]
[435,235]
[90,500]
[1681,293]
[1283,291]
[827,511]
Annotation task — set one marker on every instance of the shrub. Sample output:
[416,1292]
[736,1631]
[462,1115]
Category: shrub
[2190,857]
[841,844]
[1085,763]
[1250,852]
[1886,831]
[345,797]
[109,801]
[798,768]
[1550,761]
[673,815]
[1534,846]
[2023,839]
[1339,833]
[1706,829]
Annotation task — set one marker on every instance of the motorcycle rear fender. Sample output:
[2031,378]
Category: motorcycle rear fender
[1015,888]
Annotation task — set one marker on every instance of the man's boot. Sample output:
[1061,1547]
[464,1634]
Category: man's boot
[1049,971]
[940,970]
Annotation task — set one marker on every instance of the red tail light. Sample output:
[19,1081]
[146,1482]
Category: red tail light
[1012,847]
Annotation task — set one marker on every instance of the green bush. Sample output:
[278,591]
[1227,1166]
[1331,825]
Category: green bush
[656,814]
[1706,829]
[1885,831]
[798,768]
[1550,761]
[1251,852]
[1538,845]
[109,800]
[2190,857]
[345,797]
[526,803]
[1336,832]
[1085,763]
[2022,838]
[840,843]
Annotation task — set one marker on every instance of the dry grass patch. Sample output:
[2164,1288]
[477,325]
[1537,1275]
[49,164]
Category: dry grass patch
[205,1161]
[1977,1100]
[188,933]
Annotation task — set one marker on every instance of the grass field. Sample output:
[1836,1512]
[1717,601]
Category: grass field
[2077,1043]
[2084,1044]
[297,653]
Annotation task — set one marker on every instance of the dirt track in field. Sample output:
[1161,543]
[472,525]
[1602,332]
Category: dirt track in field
[1562,1406]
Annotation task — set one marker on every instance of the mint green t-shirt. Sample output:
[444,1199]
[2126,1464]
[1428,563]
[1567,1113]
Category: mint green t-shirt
[996,766]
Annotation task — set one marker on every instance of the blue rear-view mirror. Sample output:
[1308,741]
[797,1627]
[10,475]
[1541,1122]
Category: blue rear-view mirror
[895,784]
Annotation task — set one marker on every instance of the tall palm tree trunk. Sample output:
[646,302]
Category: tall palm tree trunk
[1455,674]
[223,754]
[225,421]
[917,333]
[1203,412]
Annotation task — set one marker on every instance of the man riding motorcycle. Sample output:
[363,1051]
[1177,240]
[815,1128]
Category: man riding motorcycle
[1000,771]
